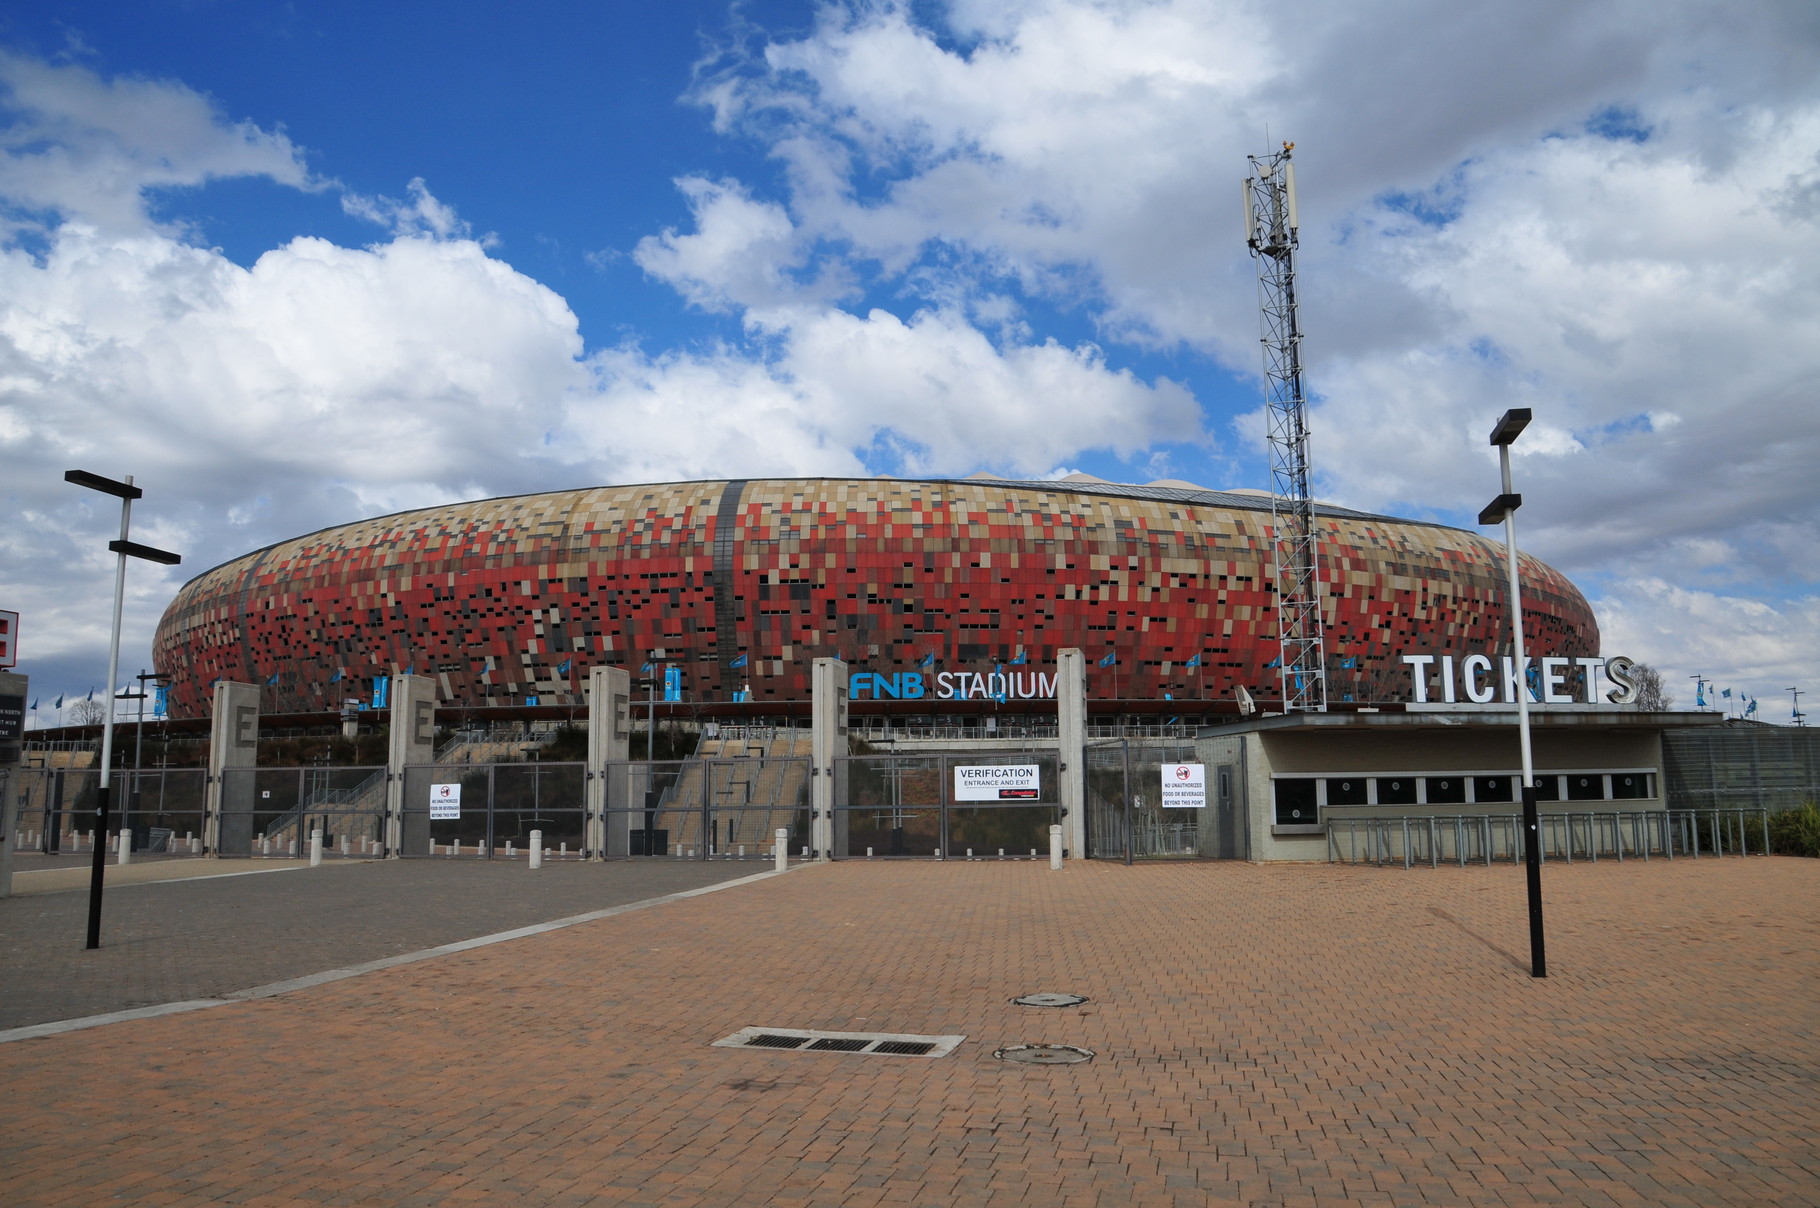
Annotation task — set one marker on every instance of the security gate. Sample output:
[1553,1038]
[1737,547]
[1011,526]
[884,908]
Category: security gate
[726,807]
[981,805]
[1126,818]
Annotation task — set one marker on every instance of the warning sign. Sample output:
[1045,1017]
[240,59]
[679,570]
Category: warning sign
[445,802]
[1184,786]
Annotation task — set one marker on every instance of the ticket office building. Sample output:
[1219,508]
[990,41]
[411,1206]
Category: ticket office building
[1292,776]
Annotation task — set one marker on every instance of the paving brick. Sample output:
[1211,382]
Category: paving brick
[1265,1036]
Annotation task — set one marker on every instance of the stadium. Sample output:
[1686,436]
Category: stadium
[937,590]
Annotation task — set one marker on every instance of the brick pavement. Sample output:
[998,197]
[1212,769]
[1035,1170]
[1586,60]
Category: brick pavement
[1265,1036]
[174,942]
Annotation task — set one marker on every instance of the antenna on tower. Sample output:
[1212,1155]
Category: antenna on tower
[1271,224]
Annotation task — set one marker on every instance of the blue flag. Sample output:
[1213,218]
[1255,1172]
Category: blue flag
[336,678]
[738,661]
[1110,659]
[411,669]
[1272,664]
[1700,693]
[647,669]
[1193,662]
[928,660]
[59,703]
[1349,663]
[273,681]
[530,700]
[1752,708]
[1168,696]
[34,706]
[1727,694]
[562,668]
[1020,660]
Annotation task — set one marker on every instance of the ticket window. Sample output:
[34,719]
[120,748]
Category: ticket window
[1396,790]
[1632,786]
[1446,790]
[1351,790]
[1585,786]
[1493,788]
[1297,803]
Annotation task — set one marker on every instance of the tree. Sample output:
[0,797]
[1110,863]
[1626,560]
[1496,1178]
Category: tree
[1650,696]
[88,713]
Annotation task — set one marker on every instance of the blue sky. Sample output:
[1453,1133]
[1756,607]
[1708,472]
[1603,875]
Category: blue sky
[296,264]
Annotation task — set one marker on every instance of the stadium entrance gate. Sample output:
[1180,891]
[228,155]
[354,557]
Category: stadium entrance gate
[946,805]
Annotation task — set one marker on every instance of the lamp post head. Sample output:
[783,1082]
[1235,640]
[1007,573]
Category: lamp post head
[107,486]
[1510,426]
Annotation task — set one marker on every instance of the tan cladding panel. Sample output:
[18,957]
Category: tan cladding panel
[1428,751]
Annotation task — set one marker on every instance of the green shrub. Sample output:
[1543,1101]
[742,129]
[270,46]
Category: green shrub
[1796,832]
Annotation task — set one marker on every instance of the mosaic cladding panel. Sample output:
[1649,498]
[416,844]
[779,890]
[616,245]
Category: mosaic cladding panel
[495,598]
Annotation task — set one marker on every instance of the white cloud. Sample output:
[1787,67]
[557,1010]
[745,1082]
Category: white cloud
[77,146]
[1735,642]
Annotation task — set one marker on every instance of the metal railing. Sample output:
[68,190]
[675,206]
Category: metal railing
[1591,835]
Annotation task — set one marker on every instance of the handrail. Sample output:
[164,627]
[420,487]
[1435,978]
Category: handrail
[1586,834]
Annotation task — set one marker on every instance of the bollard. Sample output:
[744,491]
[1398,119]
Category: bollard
[316,848]
[347,845]
[1001,853]
[742,851]
[805,853]
[536,850]
[868,853]
[1055,847]
[124,842]
[781,848]
[970,853]
[195,846]
[455,848]
[265,846]
[563,851]
[510,854]
[1033,853]
[294,852]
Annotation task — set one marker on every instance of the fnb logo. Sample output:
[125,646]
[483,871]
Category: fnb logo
[907,685]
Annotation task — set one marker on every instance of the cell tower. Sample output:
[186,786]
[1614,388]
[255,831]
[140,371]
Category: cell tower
[1270,232]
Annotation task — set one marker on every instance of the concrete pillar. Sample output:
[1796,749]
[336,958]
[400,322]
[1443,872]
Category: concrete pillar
[1071,733]
[227,826]
[608,780]
[828,740]
[413,742]
[13,691]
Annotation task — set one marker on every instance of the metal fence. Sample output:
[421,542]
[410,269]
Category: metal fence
[721,808]
[162,808]
[1592,835]
[888,806]
[271,811]
[1741,767]
[1125,817]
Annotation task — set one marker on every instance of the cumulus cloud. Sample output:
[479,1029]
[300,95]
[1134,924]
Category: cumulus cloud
[1737,642]
[76,146]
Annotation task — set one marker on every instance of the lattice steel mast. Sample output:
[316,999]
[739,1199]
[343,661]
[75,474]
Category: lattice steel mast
[1270,232]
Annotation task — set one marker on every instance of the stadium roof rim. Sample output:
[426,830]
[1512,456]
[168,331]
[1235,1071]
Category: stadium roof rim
[1200,497]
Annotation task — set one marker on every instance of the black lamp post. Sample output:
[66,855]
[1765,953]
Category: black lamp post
[1504,508]
[126,492]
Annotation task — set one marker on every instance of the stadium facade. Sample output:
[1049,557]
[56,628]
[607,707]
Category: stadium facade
[928,589]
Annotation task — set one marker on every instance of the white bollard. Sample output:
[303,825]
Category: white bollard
[1001,853]
[805,853]
[347,845]
[316,848]
[265,846]
[781,848]
[868,853]
[536,850]
[970,853]
[195,847]
[1055,847]
[562,851]
[91,840]
[1033,853]
[510,854]
[294,851]
[124,842]
[481,847]
[742,851]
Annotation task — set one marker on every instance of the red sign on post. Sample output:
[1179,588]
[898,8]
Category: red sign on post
[9,638]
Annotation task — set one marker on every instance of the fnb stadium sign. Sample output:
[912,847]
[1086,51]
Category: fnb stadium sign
[953,685]
[1476,679]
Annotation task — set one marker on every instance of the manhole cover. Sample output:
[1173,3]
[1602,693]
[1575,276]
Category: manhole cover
[1044,1054]
[1049,1000]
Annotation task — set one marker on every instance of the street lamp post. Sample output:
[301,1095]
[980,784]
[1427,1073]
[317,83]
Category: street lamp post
[126,492]
[1504,508]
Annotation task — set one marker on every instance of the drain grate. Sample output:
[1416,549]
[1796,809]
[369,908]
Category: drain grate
[868,1044]
[1049,1000]
[1044,1054]
[771,1040]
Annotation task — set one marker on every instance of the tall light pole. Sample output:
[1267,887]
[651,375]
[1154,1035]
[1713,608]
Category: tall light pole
[126,492]
[1504,507]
